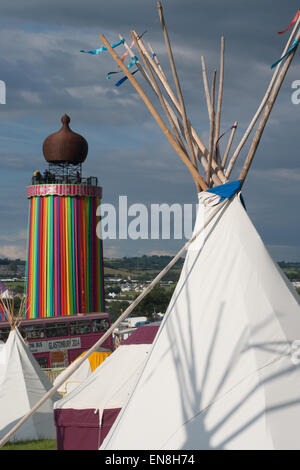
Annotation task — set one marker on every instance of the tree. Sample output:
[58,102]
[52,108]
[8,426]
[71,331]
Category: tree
[115,308]
[156,301]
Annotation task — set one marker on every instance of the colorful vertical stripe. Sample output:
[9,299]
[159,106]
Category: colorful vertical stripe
[64,257]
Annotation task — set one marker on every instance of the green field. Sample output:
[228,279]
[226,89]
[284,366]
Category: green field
[14,284]
[31,445]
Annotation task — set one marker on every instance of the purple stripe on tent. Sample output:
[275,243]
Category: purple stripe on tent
[142,335]
[77,429]
[108,419]
[80,429]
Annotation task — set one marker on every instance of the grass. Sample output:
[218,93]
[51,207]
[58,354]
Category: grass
[13,284]
[47,444]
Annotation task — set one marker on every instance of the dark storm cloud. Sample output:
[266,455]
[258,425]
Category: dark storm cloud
[46,76]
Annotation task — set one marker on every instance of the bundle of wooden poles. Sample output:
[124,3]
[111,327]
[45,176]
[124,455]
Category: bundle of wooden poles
[178,129]
[7,305]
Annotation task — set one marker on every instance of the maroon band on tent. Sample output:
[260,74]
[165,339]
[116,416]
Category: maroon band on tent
[80,429]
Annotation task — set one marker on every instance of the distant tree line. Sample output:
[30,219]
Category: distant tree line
[156,301]
[16,262]
[144,262]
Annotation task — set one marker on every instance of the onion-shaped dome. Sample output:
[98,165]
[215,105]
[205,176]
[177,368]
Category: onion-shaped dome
[65,146]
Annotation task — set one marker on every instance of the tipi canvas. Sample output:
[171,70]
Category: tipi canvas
[22,384]
[85,415]
[221,373]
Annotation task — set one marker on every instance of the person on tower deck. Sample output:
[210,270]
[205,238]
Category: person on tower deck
[45,176]
[37,177]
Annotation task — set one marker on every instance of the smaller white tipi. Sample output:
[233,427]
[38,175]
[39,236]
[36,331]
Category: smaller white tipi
[84,416]
[22,384]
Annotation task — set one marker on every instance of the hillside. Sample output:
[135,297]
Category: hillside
[141,268]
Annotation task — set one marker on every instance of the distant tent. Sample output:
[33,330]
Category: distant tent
[5,293]
[3,288]
[220,374]
[22,384]
[86,368]
[85,415]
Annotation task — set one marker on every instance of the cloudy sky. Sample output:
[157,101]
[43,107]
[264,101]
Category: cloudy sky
[46,76]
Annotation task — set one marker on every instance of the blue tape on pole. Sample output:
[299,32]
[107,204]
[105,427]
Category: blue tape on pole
[227,190]
[293,46]
[131,64]
[102,49]
[125,78]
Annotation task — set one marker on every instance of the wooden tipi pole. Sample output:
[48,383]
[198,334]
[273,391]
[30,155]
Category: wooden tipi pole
[160,97]
[261,106]
[267,111]
[203,150]
[202,159]
[225,157]
[187,129]
[211,128]
[155,114]
[220,92]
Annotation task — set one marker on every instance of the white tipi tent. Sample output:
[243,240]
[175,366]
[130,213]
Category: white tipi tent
[22,384]
[85,415]
[220,374]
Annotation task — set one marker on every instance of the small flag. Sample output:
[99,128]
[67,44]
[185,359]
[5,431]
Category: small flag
[126,52]
[125,78]
[293,46]
[131,63]
[102,49]
[292,23]
[112,73]
[124,57]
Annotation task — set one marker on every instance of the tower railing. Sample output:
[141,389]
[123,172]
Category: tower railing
[65,179]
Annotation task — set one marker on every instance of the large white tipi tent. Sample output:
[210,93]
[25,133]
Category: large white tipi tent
[22,384]
[220,374]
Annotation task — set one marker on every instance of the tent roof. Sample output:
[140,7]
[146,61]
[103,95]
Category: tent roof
[22,384]
[144,334]
[111,383]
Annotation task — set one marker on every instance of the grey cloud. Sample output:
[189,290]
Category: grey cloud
[46,76]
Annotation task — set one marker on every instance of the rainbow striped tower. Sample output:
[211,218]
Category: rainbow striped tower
[64,254]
